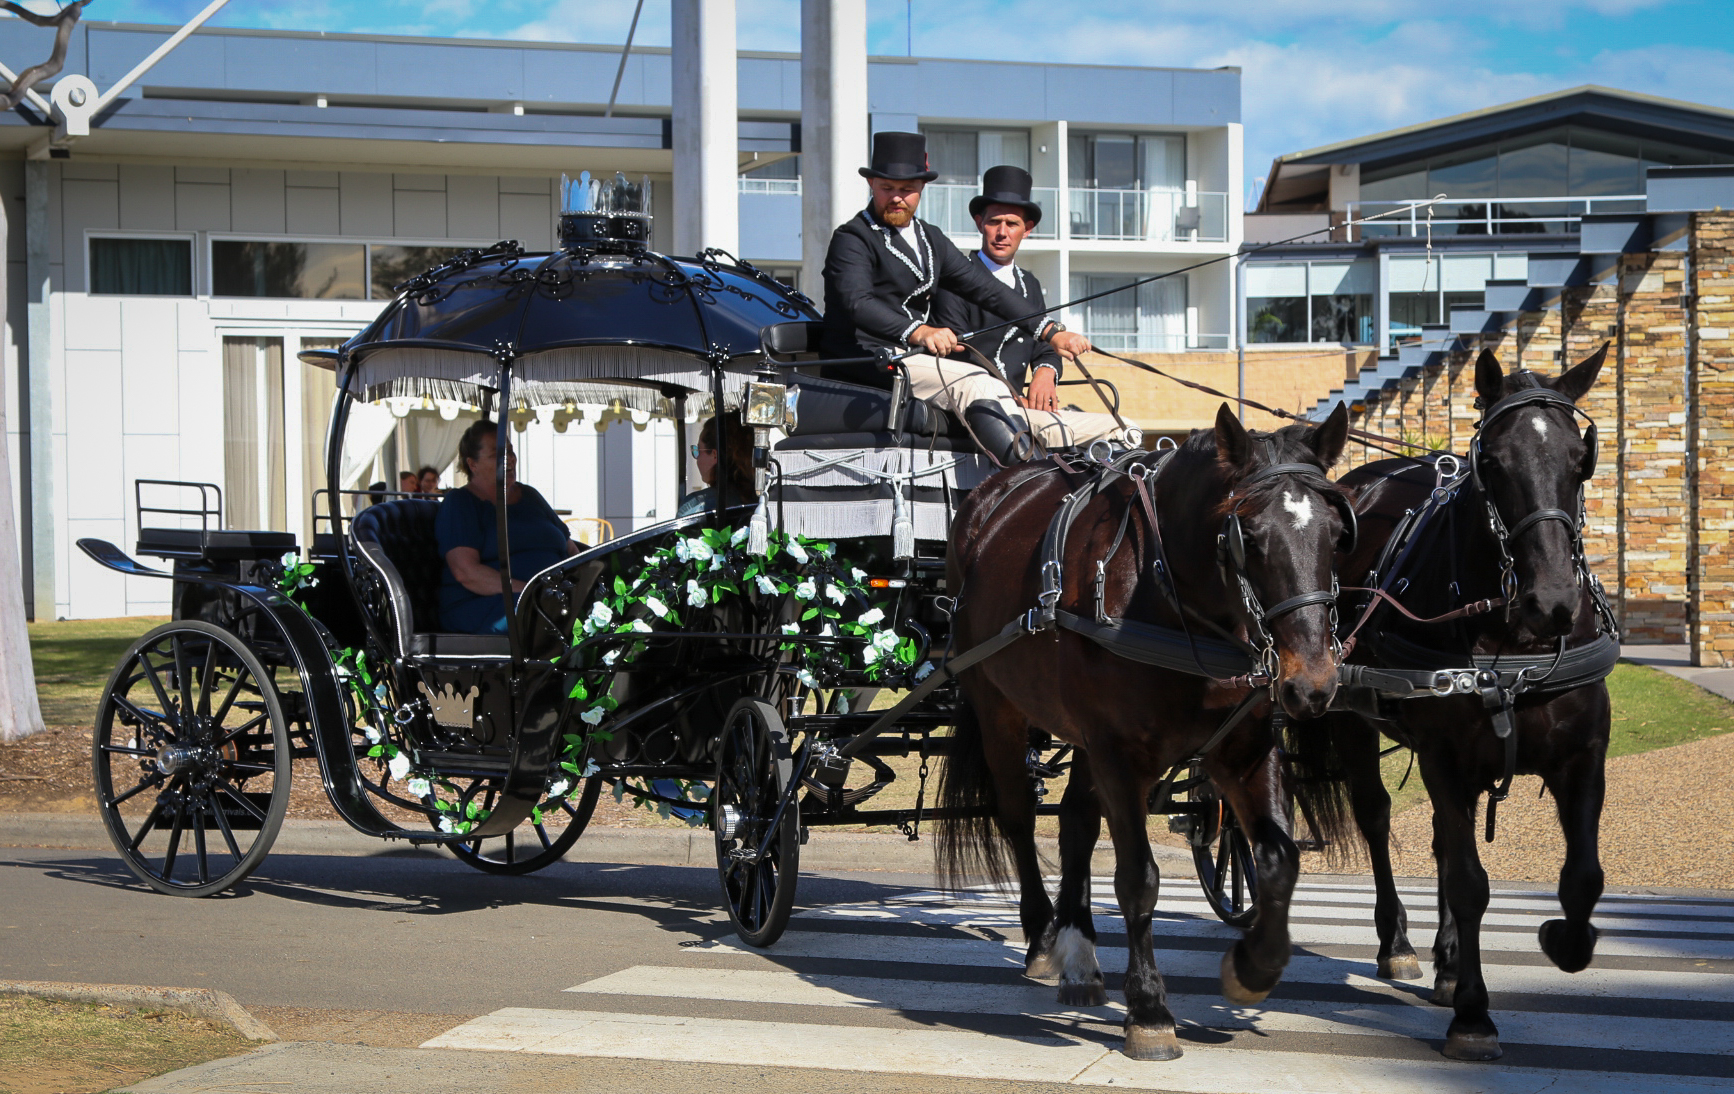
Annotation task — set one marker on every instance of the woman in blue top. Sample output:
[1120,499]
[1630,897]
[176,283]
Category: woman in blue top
[468,532]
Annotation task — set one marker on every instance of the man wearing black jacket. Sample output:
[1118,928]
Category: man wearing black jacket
[881,273]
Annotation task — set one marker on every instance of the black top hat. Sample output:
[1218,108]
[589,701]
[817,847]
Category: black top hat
[901,156]
[1006,185]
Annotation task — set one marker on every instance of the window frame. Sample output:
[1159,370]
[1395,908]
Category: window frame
[203,285]
[197,276]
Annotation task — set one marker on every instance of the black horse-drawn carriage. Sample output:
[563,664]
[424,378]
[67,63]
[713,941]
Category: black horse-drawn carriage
[720,666]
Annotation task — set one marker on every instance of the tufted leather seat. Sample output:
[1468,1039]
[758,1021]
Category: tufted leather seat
[404,530]
[828,411]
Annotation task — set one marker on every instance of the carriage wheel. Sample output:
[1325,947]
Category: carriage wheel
[753,768]
[1223,857]
[191,759]
[530,846]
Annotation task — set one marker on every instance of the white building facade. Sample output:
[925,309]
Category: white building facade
[259,193]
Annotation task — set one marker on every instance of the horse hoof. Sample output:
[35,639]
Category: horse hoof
[1570,950]
[1233,990]
[1444,993]
[1151,1043]
[1402,966]
[1083,993]
[1473,1046]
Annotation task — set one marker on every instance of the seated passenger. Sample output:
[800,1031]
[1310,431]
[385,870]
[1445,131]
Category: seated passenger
[739,442]
[427,482]
[468,532]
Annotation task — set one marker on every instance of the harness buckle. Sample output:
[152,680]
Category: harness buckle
[1102,591]
[1050,594]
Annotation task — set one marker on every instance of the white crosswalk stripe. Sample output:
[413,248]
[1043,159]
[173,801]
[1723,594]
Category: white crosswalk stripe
[940,974]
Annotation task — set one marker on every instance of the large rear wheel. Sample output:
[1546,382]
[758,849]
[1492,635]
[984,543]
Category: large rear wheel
[758,850]
[1223,857]
[191,759]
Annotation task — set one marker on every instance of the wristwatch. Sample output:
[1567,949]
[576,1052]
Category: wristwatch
[1047,333]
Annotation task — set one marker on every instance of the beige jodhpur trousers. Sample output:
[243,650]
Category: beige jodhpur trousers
[953,385]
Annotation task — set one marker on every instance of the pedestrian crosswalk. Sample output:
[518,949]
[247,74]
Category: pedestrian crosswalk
[931,983]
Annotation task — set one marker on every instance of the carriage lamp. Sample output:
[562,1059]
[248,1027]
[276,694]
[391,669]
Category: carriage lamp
[766,405]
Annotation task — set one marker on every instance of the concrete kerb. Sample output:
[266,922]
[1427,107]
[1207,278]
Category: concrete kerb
[206,1003]
[824,851]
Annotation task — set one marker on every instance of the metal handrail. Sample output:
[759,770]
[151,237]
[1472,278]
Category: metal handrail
[1492,213]
[204,512]
[1158,216]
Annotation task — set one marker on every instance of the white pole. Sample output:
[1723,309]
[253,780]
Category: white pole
[833,126]
[706,127]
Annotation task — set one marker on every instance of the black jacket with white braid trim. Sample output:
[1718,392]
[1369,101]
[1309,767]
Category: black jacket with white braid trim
[877,291]
[1013,352]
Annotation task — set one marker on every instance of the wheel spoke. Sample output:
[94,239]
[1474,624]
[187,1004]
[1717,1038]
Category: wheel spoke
[155,778]
[511,848]
[157,720]
[228,833]
[542,834]
[199,847]
[183,675]
[257,769]
[122,750]
[168,873]
[251,723]
[145,829]
[169,713]
[242,800]
[1222,862]
[204,707]
[229,696]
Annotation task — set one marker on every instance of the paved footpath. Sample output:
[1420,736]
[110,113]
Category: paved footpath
[622,978]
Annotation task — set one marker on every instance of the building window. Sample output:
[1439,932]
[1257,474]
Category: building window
[962,156]
[141,267]
[1151,317]
[781,177]
[304,271]
[391,265]
[1311,302]
[1122,161]
[1424,290]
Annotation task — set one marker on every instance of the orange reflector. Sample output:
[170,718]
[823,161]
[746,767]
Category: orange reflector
[886,583]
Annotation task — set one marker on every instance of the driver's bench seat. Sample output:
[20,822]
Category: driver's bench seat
[837,414]
[396,539]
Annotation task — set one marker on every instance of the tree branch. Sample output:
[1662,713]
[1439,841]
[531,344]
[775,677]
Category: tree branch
[64,20]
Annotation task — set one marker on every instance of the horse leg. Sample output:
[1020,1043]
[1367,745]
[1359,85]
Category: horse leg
[1149,1023]
[1359,749]
[1445,938]
[1577,787]
[1069,950]
[1253,965]
[1005,743]
[1472,1034]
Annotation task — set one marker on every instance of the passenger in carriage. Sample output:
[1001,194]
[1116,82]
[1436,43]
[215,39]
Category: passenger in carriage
[739,443]
[882,271]
[467,529]
[1005,215]
[428,481]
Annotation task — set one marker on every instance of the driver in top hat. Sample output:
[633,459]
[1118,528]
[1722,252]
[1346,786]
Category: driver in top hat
[882,271]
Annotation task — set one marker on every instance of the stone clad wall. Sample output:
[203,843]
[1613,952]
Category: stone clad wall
[1660,530]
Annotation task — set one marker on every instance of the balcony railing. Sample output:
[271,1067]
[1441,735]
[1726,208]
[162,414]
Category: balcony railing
[947,205]
[751,185]
[1516,216]
[1154,216]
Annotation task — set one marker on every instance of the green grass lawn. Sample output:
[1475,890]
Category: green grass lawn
[73,659]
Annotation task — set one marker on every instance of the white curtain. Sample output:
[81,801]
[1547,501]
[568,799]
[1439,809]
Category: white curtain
[431,441]
[368,430]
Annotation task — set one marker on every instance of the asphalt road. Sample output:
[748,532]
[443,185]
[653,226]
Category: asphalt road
[619,977]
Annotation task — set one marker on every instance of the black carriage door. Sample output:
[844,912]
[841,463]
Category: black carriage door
[253,435]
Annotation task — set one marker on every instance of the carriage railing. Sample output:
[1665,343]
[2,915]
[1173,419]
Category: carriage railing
[206,511]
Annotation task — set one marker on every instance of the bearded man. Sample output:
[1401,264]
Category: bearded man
[881,273]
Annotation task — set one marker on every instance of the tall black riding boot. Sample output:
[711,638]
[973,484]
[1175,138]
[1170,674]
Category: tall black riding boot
[999,435]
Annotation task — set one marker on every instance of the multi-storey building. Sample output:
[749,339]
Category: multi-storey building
[260,192]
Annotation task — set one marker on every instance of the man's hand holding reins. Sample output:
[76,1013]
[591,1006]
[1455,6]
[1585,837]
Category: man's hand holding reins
[939,341]
[1044,392]
[1070,344]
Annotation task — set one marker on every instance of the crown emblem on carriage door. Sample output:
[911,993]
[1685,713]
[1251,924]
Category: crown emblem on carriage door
[451,708]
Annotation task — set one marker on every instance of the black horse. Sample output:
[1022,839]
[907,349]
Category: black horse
[1507,533]
[1131,722]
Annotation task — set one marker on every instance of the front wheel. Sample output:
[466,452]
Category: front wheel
[758,848]
[191,759]
[1223,856]
[532,845]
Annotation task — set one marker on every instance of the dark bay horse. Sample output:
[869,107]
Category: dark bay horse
[1131,722]
[1533,462]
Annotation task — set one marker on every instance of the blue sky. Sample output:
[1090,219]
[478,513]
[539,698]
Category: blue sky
[1315,71]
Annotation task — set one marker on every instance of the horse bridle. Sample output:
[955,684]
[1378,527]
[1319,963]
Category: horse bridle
[1231,562]
[1504,536]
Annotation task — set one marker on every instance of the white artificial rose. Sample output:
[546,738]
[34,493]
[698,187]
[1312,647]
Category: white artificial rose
[836,594]
[696,596]
[446,825]
[767,586]
[289,560]
[601,614]
[740,535]
[610,657]
[806,590]
[796,551]
[858,573]
[870,617]
[791,628]
[716,562]
[924,671]
[559,788]
[869,654]
[398,766]
[641,626]
[373,736]
[682,551]
[592,716]
[591,767]
[807,678]
[698,549]
[656,606]
[886,640]
[418,787]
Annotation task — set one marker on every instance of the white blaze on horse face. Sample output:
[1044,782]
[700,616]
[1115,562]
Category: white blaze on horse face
[1301,511]
[1539,426]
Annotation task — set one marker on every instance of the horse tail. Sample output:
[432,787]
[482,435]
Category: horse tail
[967,843]
[1320,784]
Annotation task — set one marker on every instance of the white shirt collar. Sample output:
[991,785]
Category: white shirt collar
[1004,273]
